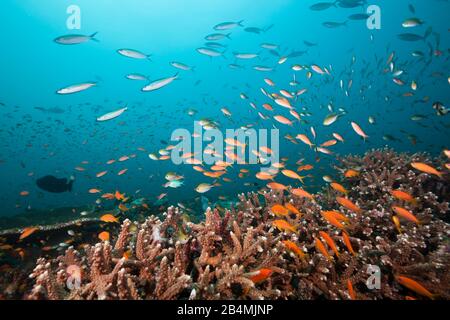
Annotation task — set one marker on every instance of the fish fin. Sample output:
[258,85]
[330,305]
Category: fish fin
[92,36]
[70,185]
[268,28]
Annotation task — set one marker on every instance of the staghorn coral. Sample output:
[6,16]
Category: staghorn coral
[219,257]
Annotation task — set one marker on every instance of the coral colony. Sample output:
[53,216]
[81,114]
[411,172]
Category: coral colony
[279,243]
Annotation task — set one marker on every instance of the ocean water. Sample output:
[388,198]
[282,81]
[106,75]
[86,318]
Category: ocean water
[46,133]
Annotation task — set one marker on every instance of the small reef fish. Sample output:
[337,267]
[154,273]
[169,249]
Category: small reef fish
[405,214]
[27,232]
[404,196]
[104,236]
[283,225]
[338,187]
[302,193]
[294,248]
[348,204]
[76,88]
[109,218]
[73,39]
[426,168]
[347,243]
[158,84]
[112,115]
[259,275]
[320,247]
[134,54]
[279,210]
[414,286]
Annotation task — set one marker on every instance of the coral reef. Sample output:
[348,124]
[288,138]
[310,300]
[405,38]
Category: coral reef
[254,252]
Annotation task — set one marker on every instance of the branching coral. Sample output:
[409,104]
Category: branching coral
[246,254]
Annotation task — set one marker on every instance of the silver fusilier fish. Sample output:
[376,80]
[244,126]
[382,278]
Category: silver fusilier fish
[228,25]
[134,54]
[158,84]
[76,88]
[209,52]
[181,66]
[72,39]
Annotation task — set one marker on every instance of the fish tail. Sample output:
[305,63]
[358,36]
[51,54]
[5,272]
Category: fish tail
[268,28]
[70,185]
[92,36]
[228,35]
[240,23]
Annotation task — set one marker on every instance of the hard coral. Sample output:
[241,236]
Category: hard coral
[219,257]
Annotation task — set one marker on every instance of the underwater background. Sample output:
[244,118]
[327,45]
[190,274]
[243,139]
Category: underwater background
[44,133]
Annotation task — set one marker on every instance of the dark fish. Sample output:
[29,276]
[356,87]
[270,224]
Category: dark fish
[332,25]
[322,6]
[295,54]
[55,185]
[309,44]
[348,4]
[415,37]
[359,16]
[55,110]
[258,30]
[410,37]
[441,110]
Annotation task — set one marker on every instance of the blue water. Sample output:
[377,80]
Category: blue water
[33,67]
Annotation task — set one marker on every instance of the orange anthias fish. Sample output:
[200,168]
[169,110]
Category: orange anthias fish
[338,187]
[108,196]
[291,208]
[414,286]
[330,242]
[264,176]
[260,275]
[302,193]
[119,196]
[283,120]
[27,232]
[347,243]
[351,173]
[294,248]
[396,221]
[104,236]
[109,218]
[404,196]
[331,217]
[303,138]
[321,248]
[283,225]
[101,174]
[293,175]
[359,131]
[426,168]
[348,204]
[276,186]
[305,167]
[351,291]
[123,208]
[279,210]
[406,214]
